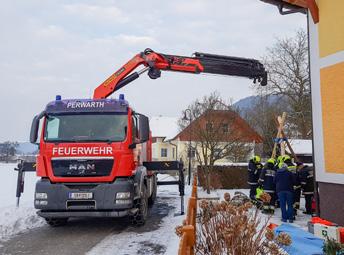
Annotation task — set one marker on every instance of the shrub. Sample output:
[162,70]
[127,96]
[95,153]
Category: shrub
[233,228]
[332,247]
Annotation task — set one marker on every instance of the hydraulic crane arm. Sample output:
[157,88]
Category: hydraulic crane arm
[199,63]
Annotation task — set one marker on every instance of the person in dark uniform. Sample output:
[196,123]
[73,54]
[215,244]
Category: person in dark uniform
[284,182]
[278,163]
[254,169]
[266,180]
[307,185]
[297,184]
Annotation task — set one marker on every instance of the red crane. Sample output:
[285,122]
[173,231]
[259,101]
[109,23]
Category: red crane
[199,63]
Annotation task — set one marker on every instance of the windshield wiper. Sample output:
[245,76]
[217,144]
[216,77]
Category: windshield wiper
[109,141]
[62,141]
[103,140]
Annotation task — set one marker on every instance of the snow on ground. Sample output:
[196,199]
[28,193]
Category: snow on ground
[160,241]
[15,220]
[164,240]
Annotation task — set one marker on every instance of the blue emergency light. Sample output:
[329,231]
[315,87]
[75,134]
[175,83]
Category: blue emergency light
[121,97]
[58,98]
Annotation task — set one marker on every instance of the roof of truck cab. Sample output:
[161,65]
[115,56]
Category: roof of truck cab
[87,105]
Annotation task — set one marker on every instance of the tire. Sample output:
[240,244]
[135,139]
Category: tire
[152,198]
[139,218]
[56,222]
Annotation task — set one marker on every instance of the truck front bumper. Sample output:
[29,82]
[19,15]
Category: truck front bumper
[55,200]
[102,214]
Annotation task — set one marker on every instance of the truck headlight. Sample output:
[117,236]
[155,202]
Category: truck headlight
[123,195]
[41,195]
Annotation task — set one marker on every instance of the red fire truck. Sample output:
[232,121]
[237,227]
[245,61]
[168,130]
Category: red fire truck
[95,154]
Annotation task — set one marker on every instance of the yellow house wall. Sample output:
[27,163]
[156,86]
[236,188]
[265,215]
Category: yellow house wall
[156,149]
[332,90]
[331,26]
[182,152]
[327,77]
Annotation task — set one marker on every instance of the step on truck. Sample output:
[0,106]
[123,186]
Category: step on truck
[95,155]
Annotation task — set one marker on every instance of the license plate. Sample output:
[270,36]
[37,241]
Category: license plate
[83,195]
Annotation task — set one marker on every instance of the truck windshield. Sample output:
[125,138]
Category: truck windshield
[86,128]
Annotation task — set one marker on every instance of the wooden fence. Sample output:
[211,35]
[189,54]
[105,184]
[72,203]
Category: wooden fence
[188,238]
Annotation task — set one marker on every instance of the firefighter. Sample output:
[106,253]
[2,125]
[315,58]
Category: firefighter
[254,168]
[284,182]
[297,184]
[266,180]
[307,185]
[279,162]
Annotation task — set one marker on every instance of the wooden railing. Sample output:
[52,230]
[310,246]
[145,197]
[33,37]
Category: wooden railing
[188,238]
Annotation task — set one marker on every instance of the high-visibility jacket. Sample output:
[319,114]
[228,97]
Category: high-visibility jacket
[266,178]
[254,170]
[307,180]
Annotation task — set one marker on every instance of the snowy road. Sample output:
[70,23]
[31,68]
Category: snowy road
[22,232]
[81,235]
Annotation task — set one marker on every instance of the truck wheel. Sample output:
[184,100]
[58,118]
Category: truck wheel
[152,198]
[139,218]
[56,222]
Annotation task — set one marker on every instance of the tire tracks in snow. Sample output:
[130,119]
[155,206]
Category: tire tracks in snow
[79,236]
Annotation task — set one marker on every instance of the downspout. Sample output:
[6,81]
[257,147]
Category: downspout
[316,185]
[176,149]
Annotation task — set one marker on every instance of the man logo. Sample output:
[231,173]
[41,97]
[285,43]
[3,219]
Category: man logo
[82,166]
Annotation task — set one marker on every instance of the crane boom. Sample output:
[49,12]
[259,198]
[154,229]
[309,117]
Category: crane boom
[199,63]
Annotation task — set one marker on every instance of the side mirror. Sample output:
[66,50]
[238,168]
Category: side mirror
[35,127]
[143,128]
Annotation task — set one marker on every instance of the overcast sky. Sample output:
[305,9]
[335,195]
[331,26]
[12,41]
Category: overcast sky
[70,47]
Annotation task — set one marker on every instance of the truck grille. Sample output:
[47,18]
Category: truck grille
[70,167]
[81,205]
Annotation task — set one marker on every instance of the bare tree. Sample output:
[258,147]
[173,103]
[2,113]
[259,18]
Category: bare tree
[8,149]
[214,133]
[287,65]
[262,116]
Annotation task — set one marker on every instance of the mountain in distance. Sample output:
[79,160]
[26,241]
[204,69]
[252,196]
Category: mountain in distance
[247,103]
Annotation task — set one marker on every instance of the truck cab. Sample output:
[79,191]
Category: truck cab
[90,160]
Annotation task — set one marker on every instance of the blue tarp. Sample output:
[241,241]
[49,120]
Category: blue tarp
[303,243]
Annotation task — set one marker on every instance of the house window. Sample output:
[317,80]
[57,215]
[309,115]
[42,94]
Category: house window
[218,151]
[173,151]
[163,152]
[209,126]
[225,128]
[192,152]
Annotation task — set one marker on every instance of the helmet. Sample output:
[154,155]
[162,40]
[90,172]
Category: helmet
[278,160]
[256,159]
[286,157]
[272,161]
